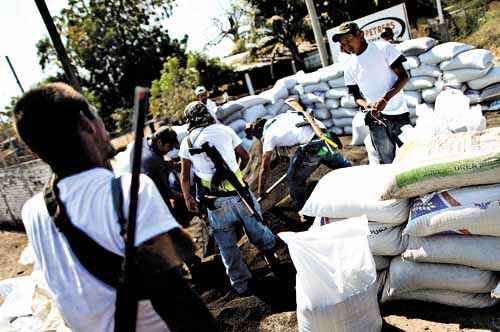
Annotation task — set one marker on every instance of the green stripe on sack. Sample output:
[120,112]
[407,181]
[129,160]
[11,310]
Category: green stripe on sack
[456,168]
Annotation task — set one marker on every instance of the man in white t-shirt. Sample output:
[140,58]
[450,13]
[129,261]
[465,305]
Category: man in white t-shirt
[287,130]
[76,218]
[202,96]
[225,209]
[375,75]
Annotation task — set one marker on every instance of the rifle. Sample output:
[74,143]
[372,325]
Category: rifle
[330,144]
[126,297]
[220,164]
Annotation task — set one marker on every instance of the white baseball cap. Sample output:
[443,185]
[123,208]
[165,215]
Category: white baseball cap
[199,90]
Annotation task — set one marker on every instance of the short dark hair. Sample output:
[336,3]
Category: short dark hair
[47,118]
[166,135]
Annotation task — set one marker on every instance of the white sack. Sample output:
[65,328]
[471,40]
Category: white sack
[481,252]
[470,210]
[328,123]
[408,276]
[342,122]
[361,188]
[348,101]
[330,72]
[238,125]
[332,103]
[337,83]
[227,109]
[383,240]
[464,75]
[337,130]
[416,46]
[430,95]
[343,112]
[443,52]
[359,130]
[233,117]
[451,298]
[306,79]
[411,62]
[337,93]
[346,301]
[248,143]
[297,90]
[251,114]
[348,130]
[420,83]
[274,109]
[446,161]
[492,77]
[289,81]
[322,113]
[492,92]
[426,70]
[279,91]
[311,98]
[319,87]
[478,58]
[412,98]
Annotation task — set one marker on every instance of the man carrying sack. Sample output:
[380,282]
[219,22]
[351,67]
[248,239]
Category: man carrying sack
[315,147]
[375,76]
[227,207]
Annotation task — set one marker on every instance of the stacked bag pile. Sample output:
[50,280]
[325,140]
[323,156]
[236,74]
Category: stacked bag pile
[454,221]
[348,193]
[431,66]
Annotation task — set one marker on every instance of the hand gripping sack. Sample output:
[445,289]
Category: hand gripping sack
[336,278]
[354,191]
[481,252]
[445,161]
[470,210]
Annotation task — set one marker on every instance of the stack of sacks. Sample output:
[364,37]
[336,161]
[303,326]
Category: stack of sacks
[452,113]
[354,191]
[236,114]
[454,235]
[432,66]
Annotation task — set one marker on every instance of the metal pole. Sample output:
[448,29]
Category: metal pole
[14,73]
[58,45]
[443,28]
[318,35]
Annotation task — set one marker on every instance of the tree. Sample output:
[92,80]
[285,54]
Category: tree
[115,46]
[173,90]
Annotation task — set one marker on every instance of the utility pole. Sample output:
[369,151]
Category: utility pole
[318,35]
[443,28]
[58,45]
[14,73]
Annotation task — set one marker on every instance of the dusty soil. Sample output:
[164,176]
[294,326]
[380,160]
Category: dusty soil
[272,309]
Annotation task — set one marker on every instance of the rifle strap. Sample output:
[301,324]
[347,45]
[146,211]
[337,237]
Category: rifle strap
[103,264]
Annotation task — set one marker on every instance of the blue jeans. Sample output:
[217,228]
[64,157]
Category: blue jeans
[384,134]
[304,162]
[229,213]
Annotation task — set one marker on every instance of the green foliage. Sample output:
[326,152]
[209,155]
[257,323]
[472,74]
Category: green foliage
[123,119]
[115,46]
[212,72]
[173,90]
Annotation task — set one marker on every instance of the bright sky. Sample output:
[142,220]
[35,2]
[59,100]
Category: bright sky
[21,27]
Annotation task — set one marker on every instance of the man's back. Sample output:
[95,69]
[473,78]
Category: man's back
[87,304]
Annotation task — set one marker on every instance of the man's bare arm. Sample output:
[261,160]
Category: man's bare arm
[264,170]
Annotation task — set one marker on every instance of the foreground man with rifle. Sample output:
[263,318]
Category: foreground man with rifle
[211,150]
[76,226]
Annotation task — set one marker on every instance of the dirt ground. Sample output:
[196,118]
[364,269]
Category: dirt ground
[272,309]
